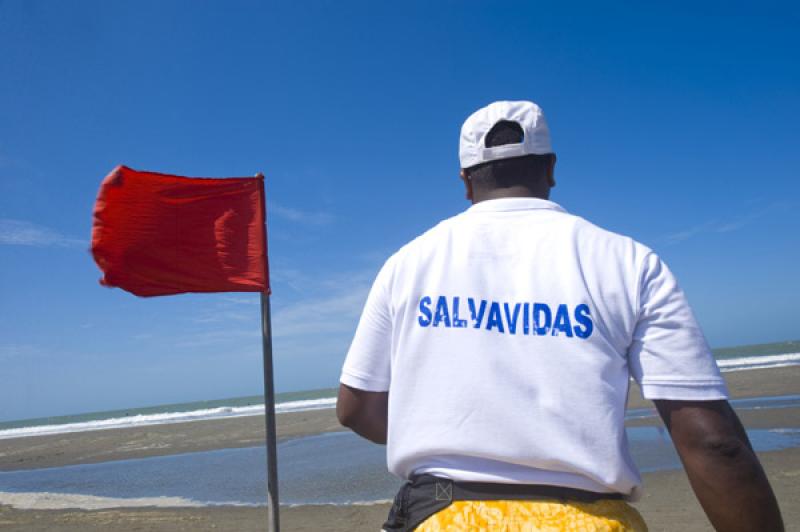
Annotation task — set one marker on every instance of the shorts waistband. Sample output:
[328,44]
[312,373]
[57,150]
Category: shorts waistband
[424,495]
[445,489]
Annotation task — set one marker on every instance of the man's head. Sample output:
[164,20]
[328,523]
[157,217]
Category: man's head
[505,152]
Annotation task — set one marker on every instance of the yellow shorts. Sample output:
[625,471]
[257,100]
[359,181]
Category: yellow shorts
[532,516]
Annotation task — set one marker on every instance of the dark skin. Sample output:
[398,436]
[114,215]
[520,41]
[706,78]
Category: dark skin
[366,413]
[535,189]
[723,470]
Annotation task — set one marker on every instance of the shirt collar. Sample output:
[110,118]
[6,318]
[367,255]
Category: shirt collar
[515,204]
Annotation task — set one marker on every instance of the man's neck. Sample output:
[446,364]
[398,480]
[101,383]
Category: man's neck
[510,192]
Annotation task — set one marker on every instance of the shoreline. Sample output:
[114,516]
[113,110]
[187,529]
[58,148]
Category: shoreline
[668,502]
[34,452]
[90,447]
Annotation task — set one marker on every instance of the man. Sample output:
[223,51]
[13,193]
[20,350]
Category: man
[494,353]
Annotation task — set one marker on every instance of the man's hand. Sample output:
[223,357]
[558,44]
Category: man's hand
[366,413]
[723,470]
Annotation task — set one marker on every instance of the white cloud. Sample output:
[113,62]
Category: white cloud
[291,277]
[242,300]
[320,307]
[219,336]
[725,226]
[26,351]
[22,233]
[313,323]
[299,281]
[314,316]
[315,218]
[222,316]
[686,234]
[329,314]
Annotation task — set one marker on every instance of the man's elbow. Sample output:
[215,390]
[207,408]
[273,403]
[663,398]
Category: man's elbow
[364,412]
[346,416]
[349,407]
[706,430]
[724,447]
[729,452]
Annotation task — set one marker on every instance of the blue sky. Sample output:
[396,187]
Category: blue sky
[675,124]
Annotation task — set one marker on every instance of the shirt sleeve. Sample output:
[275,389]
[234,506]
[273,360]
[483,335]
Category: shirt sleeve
[368,362]
[669,356]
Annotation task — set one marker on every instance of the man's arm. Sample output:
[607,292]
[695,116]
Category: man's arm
[366,413]
[723,470]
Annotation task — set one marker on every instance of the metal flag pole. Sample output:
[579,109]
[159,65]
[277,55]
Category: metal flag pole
[269,407]
[273,502]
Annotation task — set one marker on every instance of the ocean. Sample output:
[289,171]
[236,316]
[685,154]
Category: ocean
[739,358]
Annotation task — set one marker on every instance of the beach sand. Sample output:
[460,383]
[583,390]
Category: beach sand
[157,440]
[668,503]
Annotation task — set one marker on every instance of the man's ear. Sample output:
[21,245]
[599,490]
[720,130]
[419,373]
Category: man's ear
[551,171]
[467,184]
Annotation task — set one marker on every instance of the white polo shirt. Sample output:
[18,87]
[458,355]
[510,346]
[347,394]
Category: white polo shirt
[506,337]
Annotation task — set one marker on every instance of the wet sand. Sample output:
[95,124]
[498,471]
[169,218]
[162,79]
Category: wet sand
[157,440]
[668,503]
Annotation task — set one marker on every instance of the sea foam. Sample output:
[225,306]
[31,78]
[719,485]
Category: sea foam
[759,362]
[167,417]
[63,501]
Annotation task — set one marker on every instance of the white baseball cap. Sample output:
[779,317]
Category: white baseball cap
[472,148]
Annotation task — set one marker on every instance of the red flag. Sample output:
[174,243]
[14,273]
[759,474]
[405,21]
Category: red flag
[157,234]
